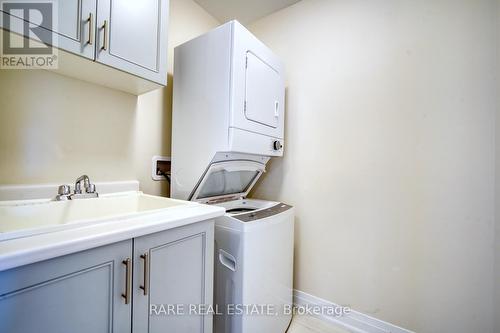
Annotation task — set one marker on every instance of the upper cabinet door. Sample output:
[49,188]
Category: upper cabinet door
[132,36]
[72,28]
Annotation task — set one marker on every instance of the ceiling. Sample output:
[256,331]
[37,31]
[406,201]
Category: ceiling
[244,11]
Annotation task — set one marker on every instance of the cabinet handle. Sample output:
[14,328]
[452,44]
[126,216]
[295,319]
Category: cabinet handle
[105,42]
[128,280]
[145,287]
[90,41]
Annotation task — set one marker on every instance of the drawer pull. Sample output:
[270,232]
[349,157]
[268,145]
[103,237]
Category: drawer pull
[145,286]
[105,42]
[128,280]
[90,41]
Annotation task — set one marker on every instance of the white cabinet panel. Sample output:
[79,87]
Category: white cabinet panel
[72,29]
[68,17]
[180,263]
[128,23]
[133,37]
[128,35]
[77,293]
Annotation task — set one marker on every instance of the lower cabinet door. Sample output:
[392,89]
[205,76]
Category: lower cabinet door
[173,278]
[77,293]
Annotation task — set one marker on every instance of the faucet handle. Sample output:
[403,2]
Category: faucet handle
[91,188]
[63,190]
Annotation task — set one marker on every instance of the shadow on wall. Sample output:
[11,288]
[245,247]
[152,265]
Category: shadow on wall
[166,134]
[153,128]
[275,172]
[272,184]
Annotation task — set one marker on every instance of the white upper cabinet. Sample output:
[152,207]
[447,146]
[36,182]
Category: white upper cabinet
[132,36]
[127,35]
[72,30]
[75,28]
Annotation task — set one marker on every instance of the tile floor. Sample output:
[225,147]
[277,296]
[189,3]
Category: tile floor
[307,324]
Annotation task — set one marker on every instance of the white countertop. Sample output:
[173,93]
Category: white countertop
[27,250]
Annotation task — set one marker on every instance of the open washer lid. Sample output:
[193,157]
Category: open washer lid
[227,180]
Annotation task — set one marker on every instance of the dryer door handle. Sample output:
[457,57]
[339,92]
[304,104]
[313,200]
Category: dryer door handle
[227,260]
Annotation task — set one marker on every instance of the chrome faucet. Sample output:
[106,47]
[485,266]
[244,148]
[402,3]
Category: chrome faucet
[64,192]
[87,185]
[78,184]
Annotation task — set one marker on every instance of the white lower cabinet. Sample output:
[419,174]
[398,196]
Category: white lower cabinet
[178,267]
[112,288]
[78,293]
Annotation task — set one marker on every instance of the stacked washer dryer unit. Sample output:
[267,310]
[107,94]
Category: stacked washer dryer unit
[228,119]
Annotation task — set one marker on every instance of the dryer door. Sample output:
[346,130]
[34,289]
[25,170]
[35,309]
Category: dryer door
[257,87]
[263,92]
[227,180]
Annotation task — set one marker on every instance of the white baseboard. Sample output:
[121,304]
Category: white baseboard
[353,321]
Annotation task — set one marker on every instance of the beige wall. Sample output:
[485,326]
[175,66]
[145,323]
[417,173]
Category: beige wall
[54,128]
[389,156]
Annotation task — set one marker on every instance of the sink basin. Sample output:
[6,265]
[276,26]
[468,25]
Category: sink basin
[30,217]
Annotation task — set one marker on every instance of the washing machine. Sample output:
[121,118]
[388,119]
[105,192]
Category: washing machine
[253,267]
[253,248]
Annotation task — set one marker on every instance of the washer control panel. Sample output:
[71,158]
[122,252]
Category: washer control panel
[261,214]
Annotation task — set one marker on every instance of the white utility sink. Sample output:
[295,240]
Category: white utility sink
[31,217]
